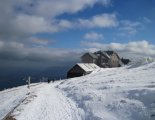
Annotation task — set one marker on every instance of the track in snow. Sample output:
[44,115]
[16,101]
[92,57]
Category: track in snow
[11,98]
[49,104]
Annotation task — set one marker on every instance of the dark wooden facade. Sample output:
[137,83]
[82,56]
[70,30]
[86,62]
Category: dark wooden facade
[76,71]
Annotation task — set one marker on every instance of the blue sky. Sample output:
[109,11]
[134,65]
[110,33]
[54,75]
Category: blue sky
[138,12]
[57,31]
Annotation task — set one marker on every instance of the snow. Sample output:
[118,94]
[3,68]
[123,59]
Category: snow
[115,93]
[10,98]
[48,103]
[125,93]
[88,67]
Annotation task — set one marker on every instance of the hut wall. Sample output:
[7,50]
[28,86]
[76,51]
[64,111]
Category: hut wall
[76,71]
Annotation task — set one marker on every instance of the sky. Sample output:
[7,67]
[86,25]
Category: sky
[46,33]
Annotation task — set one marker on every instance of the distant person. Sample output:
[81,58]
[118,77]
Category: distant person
[48,81]
[53,80]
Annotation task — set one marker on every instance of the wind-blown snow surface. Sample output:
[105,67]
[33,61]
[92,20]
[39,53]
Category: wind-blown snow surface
[115,93]
[126,93]
[10,98]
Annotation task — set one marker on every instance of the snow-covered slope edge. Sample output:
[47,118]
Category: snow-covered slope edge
[126,93]
[11,98]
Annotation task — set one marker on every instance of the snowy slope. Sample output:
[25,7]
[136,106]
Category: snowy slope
[47,103]
[126,93]
[10,98]
[115,94]
[136,59]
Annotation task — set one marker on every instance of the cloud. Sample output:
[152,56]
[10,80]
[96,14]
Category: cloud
[40,42]
[128,28]
[49,7]
[22,20]
[29,56]
[98,21]
[147,20]
[139,47]
[61,6]
[28,17]
[101,21]
[93,36]
[32,24]
[23,25]
[65,24]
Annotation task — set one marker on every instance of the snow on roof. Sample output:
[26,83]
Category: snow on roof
[88,67]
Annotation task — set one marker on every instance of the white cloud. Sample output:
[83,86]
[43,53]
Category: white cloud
[27,25]
[40,42]
[32,24]
[98,21]
[128,28]
[102,21]
[65,24]
[93,36]
[48,8]
[147,20]
[29,17]
[139,47]
[57,7]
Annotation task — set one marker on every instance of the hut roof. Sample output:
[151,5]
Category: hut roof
[88,67]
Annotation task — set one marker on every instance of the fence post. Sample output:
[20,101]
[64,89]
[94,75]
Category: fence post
[29,81]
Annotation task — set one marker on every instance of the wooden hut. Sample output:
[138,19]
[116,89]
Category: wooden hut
[81,69]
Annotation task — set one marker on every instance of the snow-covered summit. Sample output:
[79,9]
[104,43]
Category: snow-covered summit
[136,60]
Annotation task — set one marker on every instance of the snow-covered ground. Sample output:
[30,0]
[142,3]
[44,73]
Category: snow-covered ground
[126,93]
[115,94]
[10,98]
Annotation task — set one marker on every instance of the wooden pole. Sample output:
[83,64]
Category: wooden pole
[29,80]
